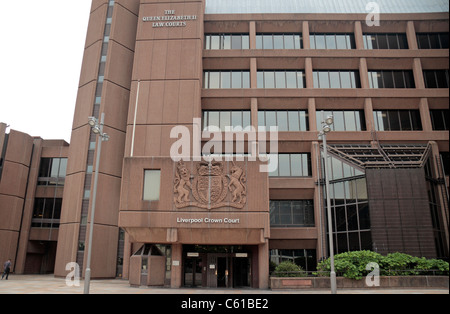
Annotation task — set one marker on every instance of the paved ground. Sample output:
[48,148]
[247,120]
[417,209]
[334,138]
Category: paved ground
[48,284]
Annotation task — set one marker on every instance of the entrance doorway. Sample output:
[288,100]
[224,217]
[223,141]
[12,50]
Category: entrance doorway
[216,267]
[241,272]
[193,272]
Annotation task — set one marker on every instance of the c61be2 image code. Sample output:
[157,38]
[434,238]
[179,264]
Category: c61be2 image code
[234,303]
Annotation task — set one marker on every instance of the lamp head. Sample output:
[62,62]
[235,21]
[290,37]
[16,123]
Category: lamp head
[326,129]
[329,120]
[96,129]
[92,121]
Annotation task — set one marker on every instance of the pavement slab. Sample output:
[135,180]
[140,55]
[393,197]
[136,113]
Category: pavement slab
[48,284]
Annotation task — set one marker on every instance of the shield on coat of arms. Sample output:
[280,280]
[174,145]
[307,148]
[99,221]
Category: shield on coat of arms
[209,188]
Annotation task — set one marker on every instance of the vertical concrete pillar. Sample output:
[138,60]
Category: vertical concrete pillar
[177,255]
[263,265]
[312,114]
[364,73]
[425,115]
[368,114]
[253,73]
[305,35]
[309,73]
[252,34]
[411,36]
[359,40]
[254,112]
[126,257]
[418,73]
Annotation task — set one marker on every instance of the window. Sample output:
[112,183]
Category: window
[285,120]
[391,79]
[440,119]
[343,120]
[222,119]
[432,40]
[305,258]
[445,158]
[152,183]
[436,78]
[292,213]
[397,120]
[336,79]
[349,207]
[226,41]
[279,41]
[293,165]
[226,79]
[281,79]
[332,41]
[385,41]
[46,213]
[52,171]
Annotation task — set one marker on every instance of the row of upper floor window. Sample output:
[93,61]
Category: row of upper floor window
[324,79]
[52,171]
[344,120]
[325,41]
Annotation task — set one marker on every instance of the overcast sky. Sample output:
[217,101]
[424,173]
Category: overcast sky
[41,50]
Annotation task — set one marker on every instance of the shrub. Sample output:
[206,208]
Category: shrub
[289,269]
[349,264]
[353,265]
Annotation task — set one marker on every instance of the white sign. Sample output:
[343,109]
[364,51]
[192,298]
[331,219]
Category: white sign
[169,19]
[208,220]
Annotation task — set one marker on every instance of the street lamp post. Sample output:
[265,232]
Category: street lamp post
[326,128]
[97,128]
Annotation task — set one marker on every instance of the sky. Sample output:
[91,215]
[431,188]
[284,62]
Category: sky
[41,51]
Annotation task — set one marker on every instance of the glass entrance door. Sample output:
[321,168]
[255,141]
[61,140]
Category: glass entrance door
[193,272]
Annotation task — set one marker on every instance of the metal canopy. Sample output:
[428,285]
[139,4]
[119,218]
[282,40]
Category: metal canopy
[382,156]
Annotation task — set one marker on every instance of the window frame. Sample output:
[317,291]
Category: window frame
[148,184]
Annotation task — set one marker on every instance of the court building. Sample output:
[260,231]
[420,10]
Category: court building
[163,71]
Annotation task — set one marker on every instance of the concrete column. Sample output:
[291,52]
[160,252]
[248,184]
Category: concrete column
[263,265]
[252,34]
[177,255]
[253,73]
[425,115]
[126,257]
[305,35]
[359,40]
[254,112]
[368,114]
[418,73]
[312,114]
[411,36]
[364,73]
[309,73]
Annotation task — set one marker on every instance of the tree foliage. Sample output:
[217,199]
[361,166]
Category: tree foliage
[289,269]
[353,265]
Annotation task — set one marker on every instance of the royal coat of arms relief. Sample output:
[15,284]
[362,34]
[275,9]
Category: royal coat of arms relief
[210,186]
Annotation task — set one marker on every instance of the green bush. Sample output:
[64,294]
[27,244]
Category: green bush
[288,269]
[353,265]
